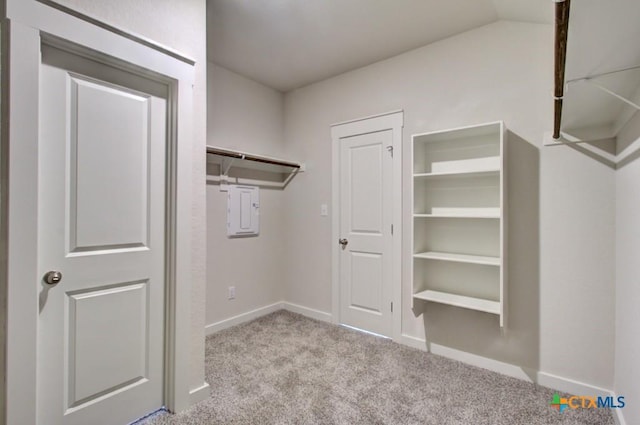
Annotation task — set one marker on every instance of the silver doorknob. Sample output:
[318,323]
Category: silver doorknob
[343,242]
[52,277]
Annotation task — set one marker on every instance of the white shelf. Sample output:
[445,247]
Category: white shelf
[450,174]
[459,258]
[471,303]
[460,213]
[455,167]
[468,132]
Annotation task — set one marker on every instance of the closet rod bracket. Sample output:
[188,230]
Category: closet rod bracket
[590,81]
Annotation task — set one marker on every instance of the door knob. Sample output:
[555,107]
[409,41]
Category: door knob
[52,277]
[343,242]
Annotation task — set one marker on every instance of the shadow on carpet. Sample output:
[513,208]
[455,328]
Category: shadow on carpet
[285,368]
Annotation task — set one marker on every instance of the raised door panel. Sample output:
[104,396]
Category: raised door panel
[108,172]
[366,281]
[107,344]
[366,188]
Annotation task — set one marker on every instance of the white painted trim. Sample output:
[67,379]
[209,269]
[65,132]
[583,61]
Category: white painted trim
[308,312]
[19,9]
[413,342]
[569,385]
[179,281]
[618,415]
[541,378]
[20,182]
[263,311]
[388,121]
[335,230]
[199,394]
[503,368]
[242,318]
[397,224]
[504,228]
[398,111]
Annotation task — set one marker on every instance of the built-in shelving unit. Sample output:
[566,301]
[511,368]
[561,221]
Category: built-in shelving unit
[459,218]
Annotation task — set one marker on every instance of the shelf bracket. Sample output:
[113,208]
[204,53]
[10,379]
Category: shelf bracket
[606,90]
[603,74]
[291,175]
[226,165]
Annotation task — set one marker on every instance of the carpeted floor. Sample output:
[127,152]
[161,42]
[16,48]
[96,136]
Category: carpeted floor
[287,369]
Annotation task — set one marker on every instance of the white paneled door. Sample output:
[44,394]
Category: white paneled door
[366,287]
[101,242]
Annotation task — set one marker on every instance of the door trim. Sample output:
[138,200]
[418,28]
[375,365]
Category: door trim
[22,38]
[393,121]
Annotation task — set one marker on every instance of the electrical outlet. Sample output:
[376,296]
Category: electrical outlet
[232,292]
[324,210]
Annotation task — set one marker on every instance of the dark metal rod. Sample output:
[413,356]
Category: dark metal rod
[562,30]
[557,117]
[249,157]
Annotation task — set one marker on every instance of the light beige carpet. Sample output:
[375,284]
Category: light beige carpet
[287,369]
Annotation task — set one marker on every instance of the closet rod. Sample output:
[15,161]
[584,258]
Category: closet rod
[562,29]
[250,157]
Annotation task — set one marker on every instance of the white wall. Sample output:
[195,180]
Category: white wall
[561,215]
[179,25]
[578,266]
[627,345]
[247,116]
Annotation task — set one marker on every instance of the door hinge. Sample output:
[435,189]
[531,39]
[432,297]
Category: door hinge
[392,229]
[392,306]
[390,150]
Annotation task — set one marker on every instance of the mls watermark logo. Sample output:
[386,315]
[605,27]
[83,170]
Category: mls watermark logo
[586,402]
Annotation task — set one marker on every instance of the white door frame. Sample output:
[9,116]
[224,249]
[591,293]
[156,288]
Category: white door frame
[28,24]
[393,121]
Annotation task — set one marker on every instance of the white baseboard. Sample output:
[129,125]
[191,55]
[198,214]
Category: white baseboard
[242,318]
[199,394]
[580,388]
[483,362]
[306,311]
[468,358]
[263,311]
[569,385]
[618,418]
[541,378]
[413,342]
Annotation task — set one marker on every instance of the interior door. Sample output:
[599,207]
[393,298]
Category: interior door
[366,287]
[101,242]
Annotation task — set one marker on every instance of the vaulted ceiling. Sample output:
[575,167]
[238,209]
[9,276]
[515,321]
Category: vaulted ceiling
[286,44]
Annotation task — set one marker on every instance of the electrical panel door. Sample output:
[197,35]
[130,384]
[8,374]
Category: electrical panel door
[243,211]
